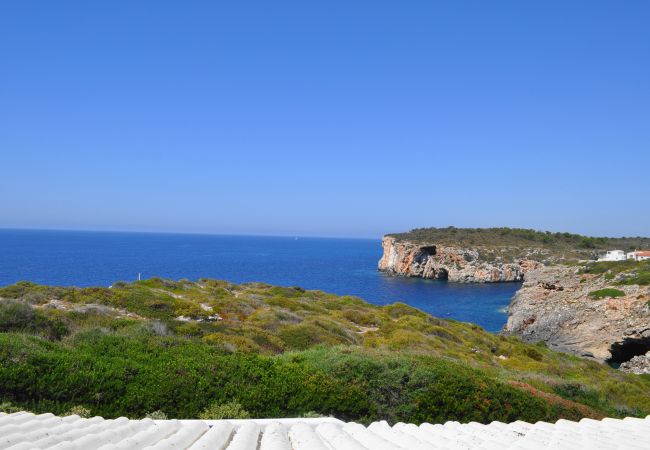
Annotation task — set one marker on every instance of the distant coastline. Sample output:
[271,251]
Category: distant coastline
[489,255]
[575,296]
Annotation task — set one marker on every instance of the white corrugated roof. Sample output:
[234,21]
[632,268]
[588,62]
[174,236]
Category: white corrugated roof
[22,431]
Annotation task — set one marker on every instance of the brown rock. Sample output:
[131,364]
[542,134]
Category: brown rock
[464,265]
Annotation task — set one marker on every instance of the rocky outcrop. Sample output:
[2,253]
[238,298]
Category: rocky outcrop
[638,365]
[457,264]
[554,306]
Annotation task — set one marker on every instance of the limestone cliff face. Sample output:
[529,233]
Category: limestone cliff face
[463,265]
[554,306]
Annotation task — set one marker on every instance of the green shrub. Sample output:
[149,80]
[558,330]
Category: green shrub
[51,326]
[19,316]
[606,293]
[231,343]
[640,278]
[189,329]
[286,291]
[578,392]
[19,289]
[533,353]
[80,411]
[16,315]
[8,408]
[465,397]
[302,336]
[401,339]
[398,309]
[364,318]
[156,415]
[230,410]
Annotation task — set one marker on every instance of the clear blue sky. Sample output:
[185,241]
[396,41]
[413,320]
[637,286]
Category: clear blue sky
[332,118]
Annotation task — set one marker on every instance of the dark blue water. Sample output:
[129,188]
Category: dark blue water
[340,266]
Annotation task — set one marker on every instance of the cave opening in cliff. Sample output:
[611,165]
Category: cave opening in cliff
[627,349]
[442,274]
[429,250]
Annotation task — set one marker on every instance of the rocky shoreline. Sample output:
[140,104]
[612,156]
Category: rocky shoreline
[462,265]
[555,305]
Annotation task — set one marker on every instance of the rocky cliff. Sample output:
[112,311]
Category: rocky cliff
[557,305]
[410,259]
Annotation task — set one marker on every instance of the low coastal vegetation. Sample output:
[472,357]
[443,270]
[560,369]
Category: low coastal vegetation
[621,272]
[606,293]
[618,273]
[210,348]
[514,242]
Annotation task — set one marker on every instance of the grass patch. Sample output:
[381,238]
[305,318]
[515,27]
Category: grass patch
[606,293]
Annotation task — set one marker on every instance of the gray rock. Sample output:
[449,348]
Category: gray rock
[569,320]
[638,365]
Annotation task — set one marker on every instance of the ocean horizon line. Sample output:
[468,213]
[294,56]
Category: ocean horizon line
[188,233]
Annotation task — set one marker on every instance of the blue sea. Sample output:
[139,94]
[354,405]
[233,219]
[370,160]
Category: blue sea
[340,266]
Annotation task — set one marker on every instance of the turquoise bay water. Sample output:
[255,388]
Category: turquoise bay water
[340,266]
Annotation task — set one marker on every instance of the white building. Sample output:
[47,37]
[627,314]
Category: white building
[640,255]
[613,255]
